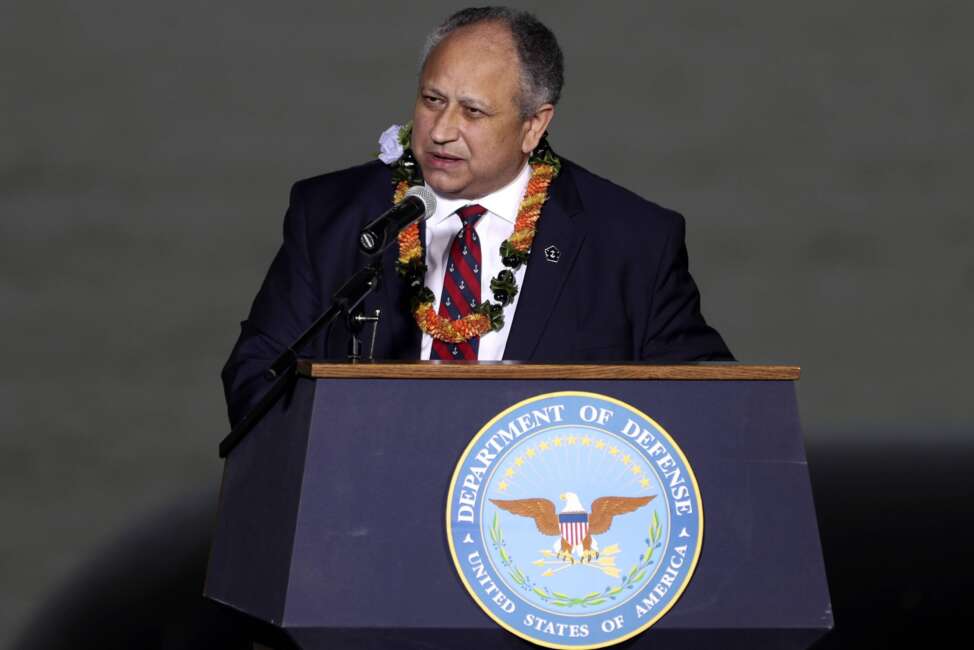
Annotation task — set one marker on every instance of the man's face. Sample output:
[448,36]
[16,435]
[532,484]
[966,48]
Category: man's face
[468,134]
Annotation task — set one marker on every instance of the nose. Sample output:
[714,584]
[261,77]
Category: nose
[446,126]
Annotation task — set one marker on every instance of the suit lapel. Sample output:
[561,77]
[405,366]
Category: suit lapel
[543,279]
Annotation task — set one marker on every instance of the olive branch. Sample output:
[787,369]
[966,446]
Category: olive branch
[633,577]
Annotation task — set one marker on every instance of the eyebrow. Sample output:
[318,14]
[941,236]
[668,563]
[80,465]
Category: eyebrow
[474,103]
[463,99]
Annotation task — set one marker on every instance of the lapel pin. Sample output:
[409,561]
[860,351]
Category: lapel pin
[552,254]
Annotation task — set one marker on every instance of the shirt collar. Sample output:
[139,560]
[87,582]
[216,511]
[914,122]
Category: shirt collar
[504,202]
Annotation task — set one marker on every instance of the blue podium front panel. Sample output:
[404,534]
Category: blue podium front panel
[369,564]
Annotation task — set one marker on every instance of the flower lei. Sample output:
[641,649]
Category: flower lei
[411,265]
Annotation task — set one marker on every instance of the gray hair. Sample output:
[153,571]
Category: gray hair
[542,63]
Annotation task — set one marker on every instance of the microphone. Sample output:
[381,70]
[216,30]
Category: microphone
[420,203]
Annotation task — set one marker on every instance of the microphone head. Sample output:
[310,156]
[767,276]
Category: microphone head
[425,195]
[381,232]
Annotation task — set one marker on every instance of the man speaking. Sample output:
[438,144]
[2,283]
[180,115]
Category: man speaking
[525,256]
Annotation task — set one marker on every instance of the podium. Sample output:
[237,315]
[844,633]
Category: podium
[331,516]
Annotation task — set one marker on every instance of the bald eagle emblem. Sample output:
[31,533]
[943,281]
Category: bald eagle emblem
[573,525]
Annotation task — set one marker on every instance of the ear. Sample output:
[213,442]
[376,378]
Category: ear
[535,126]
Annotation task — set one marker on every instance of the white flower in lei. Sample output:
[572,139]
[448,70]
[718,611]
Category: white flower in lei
[390,146]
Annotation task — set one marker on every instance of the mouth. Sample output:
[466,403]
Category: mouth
[443,160]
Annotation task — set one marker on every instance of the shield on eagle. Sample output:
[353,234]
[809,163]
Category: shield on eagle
[574,526]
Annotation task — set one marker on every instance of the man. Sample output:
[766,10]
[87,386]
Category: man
[601,275]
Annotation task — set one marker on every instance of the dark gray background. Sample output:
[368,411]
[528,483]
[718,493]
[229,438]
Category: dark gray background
[821,153]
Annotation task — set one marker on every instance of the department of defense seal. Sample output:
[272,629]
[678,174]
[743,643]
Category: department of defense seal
[574,520]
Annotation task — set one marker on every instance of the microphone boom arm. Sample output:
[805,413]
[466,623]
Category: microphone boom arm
[345,301]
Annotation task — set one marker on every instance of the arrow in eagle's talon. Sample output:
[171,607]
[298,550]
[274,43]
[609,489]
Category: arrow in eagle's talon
[551,572]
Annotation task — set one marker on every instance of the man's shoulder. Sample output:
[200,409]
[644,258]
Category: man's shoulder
[345,183]
[606,200]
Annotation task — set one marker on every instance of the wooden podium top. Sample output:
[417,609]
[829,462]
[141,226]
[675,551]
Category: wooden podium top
[521,370]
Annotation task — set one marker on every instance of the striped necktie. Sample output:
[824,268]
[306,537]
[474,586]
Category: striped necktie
[461,284]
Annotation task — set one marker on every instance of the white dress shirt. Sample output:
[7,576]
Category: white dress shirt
[496,225]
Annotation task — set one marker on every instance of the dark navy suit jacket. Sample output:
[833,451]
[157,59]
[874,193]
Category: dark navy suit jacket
[620,290]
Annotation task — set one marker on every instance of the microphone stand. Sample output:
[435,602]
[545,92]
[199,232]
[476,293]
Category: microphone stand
[346,301]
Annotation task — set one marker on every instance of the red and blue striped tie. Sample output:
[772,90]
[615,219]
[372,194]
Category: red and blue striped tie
[461,284]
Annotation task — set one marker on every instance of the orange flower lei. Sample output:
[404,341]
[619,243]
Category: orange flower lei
[486,317]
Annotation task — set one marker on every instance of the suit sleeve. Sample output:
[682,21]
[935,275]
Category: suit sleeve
[287,303]
[676,330]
